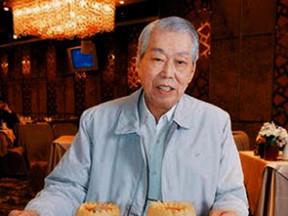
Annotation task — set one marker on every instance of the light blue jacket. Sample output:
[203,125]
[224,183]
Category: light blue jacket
[107,162]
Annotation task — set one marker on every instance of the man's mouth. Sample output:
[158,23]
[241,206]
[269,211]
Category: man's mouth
[165,88]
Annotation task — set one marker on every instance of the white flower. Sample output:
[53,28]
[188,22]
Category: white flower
[272,131]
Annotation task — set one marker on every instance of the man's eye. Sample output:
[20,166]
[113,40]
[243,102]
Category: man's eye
[157,59]
[181,63]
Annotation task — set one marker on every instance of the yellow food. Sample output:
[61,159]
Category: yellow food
[98,209]
[171,209]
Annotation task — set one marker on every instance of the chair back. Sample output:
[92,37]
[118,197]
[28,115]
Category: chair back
[60,129]
[241,140]
[37,140]
[12,159]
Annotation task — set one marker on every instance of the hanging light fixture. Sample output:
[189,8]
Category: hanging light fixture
[63,19]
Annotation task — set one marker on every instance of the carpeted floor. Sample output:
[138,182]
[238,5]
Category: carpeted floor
[14,194]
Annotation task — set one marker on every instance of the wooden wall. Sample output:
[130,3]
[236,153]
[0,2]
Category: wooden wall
[237,70]
[242,60]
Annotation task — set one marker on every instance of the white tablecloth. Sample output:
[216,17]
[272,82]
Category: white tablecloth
[59,147]
[266,183]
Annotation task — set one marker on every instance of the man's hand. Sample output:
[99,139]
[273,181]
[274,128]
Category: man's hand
[23,213]
[222,213]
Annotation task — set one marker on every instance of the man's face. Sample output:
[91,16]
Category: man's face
[166,69]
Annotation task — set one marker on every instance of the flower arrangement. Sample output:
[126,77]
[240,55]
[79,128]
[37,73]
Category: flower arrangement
[273,133]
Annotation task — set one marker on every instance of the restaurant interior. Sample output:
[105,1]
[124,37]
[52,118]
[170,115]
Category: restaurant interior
[243,68]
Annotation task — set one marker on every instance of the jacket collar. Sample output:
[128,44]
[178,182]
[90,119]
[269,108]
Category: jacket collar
[129,119]
[185,111]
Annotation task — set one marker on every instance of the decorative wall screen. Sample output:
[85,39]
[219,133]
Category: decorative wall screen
[280,91]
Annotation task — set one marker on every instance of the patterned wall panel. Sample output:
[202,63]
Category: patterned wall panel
[4,75]
[108,74]
[199,87]
[132,73]
[26,82]
[3,89]
[4,65]
[80,89]
[26,96]
[51,80]
[199,13]
[108,77]
[280,91]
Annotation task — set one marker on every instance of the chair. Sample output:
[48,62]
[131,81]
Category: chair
[241,140]
[37,140]
[5,143]
[60,129]
[12,159]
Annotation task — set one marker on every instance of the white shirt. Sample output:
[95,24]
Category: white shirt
[154,136]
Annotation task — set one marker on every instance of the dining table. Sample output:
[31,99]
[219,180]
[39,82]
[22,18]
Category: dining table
[58,149]
[266,184]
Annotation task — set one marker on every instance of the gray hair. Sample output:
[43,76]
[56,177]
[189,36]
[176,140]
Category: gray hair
[172,23]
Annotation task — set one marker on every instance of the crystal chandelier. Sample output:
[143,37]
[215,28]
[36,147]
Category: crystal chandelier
[62,19]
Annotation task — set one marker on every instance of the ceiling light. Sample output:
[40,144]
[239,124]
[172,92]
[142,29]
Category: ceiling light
[63,19]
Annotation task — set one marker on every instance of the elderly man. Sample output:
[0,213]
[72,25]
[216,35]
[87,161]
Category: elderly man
[156,144]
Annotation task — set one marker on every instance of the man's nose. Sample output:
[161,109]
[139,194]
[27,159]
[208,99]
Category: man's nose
[169,69]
